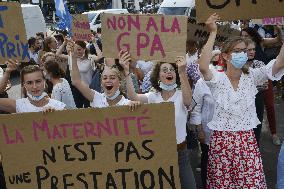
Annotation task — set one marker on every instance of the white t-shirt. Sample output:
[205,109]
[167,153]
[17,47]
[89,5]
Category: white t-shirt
[1,73]
[86,70]
[204,110]
[180,111]
[24,105]
[62,92]
[100,101]
[235,110]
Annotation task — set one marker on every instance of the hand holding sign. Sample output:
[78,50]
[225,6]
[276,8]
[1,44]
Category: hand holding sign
[48,109]
[124,61]
[133,105]
[211,22]
[181,64]
[12,65]
[70,47]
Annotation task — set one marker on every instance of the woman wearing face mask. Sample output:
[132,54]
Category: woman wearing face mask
[166,78]
[86,66]
[110,81]
[61,89]
[234,157]
[33,80]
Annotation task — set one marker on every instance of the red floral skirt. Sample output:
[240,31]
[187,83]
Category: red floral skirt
[234,161]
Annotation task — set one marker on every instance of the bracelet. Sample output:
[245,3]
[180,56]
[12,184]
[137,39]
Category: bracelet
[127,74]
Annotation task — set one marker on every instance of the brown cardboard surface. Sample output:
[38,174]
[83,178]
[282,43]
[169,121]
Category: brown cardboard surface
[147,37]
[81,28]
[239,9]
[82,143]
[13,43]
[198,32]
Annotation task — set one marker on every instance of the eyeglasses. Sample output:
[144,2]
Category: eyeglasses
[166,70]
[239,50]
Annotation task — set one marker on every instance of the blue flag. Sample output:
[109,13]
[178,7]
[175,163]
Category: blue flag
[65,18]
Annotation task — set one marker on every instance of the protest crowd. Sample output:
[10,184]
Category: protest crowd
[219,90]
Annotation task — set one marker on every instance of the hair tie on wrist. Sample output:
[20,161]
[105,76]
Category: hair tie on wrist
[128,74]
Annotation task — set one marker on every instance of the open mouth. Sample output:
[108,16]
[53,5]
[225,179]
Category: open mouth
[170,78]
[109,88]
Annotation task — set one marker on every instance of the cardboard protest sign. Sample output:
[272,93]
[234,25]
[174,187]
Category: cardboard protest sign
[269,21]
[91,148]
[146,37]
[81,28]
[198,32]
[239,9]
[13,39]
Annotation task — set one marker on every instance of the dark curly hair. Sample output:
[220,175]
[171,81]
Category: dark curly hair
[156,72]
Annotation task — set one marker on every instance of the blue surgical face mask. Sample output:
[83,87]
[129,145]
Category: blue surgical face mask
[37,98]
[168,87]
[239,59]
[116,94]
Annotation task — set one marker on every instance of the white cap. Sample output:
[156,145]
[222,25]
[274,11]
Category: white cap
[216,52]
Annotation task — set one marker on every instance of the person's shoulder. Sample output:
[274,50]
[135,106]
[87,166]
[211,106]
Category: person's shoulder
[56,104]
[64,81]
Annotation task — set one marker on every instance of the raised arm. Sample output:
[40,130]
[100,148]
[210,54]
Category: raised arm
[98,51]
[279,62]
[76,77]
[61,49]
[268,42]
[206,53]
[11,66]
[124,60]
[185,87]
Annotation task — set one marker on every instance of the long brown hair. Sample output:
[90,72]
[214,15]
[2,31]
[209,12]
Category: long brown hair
[83,45]
[229,45]
[53,68]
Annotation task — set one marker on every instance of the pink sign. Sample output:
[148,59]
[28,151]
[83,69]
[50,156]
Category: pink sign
[273,21]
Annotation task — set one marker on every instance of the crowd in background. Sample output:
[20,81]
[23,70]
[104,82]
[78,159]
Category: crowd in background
[219,93]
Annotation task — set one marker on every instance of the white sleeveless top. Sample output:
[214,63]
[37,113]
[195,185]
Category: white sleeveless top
[24,105]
